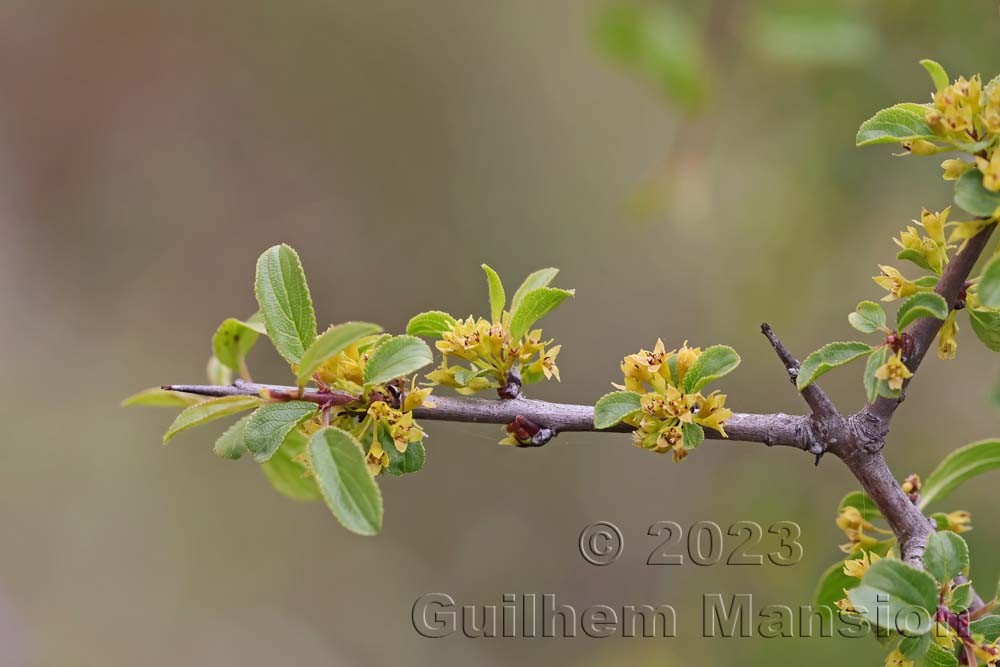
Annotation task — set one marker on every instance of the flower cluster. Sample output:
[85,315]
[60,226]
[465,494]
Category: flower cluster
[967,115]
[672,412]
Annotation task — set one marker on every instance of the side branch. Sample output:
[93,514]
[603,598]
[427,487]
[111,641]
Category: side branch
[817,399]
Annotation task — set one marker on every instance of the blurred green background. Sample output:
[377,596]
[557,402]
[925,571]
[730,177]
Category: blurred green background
[690,181]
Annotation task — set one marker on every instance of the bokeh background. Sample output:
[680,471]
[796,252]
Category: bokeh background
[690,185]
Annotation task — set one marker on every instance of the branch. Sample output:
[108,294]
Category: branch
[769,429]
[817,399]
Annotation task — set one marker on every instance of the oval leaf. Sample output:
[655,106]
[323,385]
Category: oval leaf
[540,278]
[498,299]
[938,657]
[286,474]
[868,317]
[341,472]
[432,324]
[989,284]
[960,465]
[271,423]
[330,342]
[285,303]
[898,123]
[206,411]
[396,357]
[921,304]
[973,198]
[533,306]
[611,408]
[986,326]
[988,626]
[160,397]
[946,556]
[232,341]
[938,75]
[892,590]
[230,444]
[827,358]
[714,362]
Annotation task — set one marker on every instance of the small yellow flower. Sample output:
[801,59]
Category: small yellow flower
[897,659]
[920,147]
[959,521]
[856,528]
[857,567]
[893,281]
[844,605]
[416,398]
[991,171]
[894,372]
[954,168]
[947,346]
[712,412]
[546,363]
[678,405]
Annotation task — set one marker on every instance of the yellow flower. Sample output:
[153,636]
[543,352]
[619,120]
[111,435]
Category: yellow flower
[955,108]
[991,171]
[947,345]
[897,659]
[546,363]
[963,231]
[893,281]
[686,356]
[988,653]
[416,398]
[894,372]
[855,526]
[678,405]
[844,605]
[712,412]
[959,521]
[954,168]
[857,567]
[920,147]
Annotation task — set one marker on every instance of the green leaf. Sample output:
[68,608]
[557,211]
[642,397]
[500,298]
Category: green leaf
[973,198]
[961,597]
[432,324]
[330,342]
[285,303]
[396,357]
[914,647]
[938,75]
[693,435]
[270,423]
[946,556]
[715,362]
[342,475]
[611,408]
[827,358]
[868,317]
[959,466]
[286,474]
[892,590]
[898,123]
[989,284]
[914,256]
[921,304]
[940,520]
[230,444]
[232,342]
[157,396]
[210,410]
[218,373]
[498,298]
[875,360]
[534,305]
[926,282]
[986,325]
[832,585]
[860,501]
[540,278]
[988,626]
[937,657]
[402,463]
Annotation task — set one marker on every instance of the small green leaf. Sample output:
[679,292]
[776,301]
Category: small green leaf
[832,585]
[540,278]
[926,282]
[230,444]
[898,123]
[270,423]
[157,396]
[875,360]
[330,342]
[395,358]
[402,463]
[432,324]
[693,435]
[611,408]
[827,358]
[959,466]
[940,520]
[498,299]
[342,476]
[285,302]
[914,256]
[232,342]
[715,362]
[989,284]
[986,325]
[946,556]
[938,75]
[285,472]
[914,647]
[961,597]
[921,304]
[860,501]
[973,198]
[938,657]
[210,410]
[868,317]
[534,305]
[218,373]
[892,590]
[988,626]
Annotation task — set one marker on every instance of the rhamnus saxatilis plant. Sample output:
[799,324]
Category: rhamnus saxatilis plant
[359,399]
